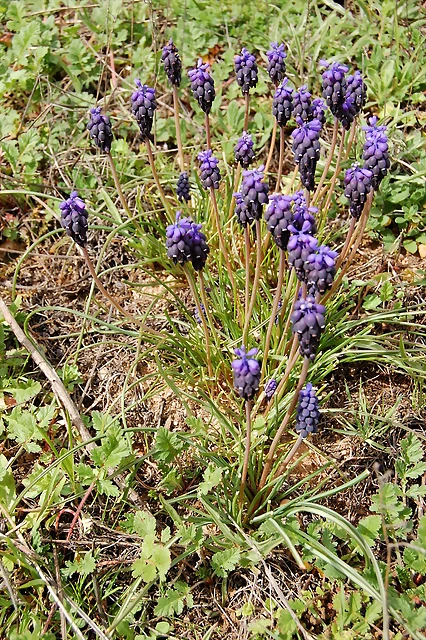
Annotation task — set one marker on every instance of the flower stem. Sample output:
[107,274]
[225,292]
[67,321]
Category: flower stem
[307,195]
[357,236]
[248,251]
[351,138]
[347,244]
[116,179]
[235,188]
[222,245]
[247,110]
[178,134]
[288,457]
[269,458]
[193,288]
[255,281]
[334,178]
[114,302]
[208,133]
[281,269]
[246,452]
[328,162]
[292,359]
[281,161]
[205,302]
[157,180]
[271,147]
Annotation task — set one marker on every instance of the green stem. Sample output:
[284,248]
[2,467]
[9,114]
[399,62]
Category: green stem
[347,244]
[288,457]
[281,161]
[114,302]
[281,269]
[247,110]
[247,279]
[328,162]
[255,281]
[193,288]
[121,195]
[246,452]
[208,133]
[222,244]
[271,147]
[334,178]
[157,181]
[177,124]
[207,306]
[270,457]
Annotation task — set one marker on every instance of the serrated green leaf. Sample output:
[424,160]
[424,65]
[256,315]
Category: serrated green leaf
[144,524]
[211,478]
[84,565]
[223,562]
[174,601]
[167,445]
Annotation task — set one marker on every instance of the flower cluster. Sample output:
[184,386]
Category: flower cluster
[276,62]
[306,149]
[183,188]
[246,373]
[209,170]
[74,218]
[282,105]
[246,70]
[358,183]
[308,322]
[172,63]
[202,85]
[143,105]
[279,217]
[254,192]
[185,242]
[243,151]
[99,128]
[376,151]
[307,412]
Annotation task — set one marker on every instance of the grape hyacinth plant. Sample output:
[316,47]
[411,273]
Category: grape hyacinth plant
[276,70]
[282,110]
[173,68]
[183,188]
[243,152]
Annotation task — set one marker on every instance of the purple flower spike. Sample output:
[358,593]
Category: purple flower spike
[143,105]
[246,70]
[320,268]
[276,62]
[243,151]
[210,174]
[202,85]
[318,110]
[246,373]
[306,149]
[99,127]
[183,189]
[308,322]
[376,151]
[74,218]
[270,388]
[307,413]
[302,104]
[185,241]
[172,63]
[278,217]
[358,186]
[300,246]
[282,105]
[303,216]
[242,213]
[254,192]
[334,86]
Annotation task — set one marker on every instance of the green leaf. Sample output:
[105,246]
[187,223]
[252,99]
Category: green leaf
[144,524]
[26,37]
[223,562]
[23,391]
[112,450]
[84,565]
[212,477]
[410,246]
[167,445]
[370,527]
[107,488]
[174,601]
[7,483]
